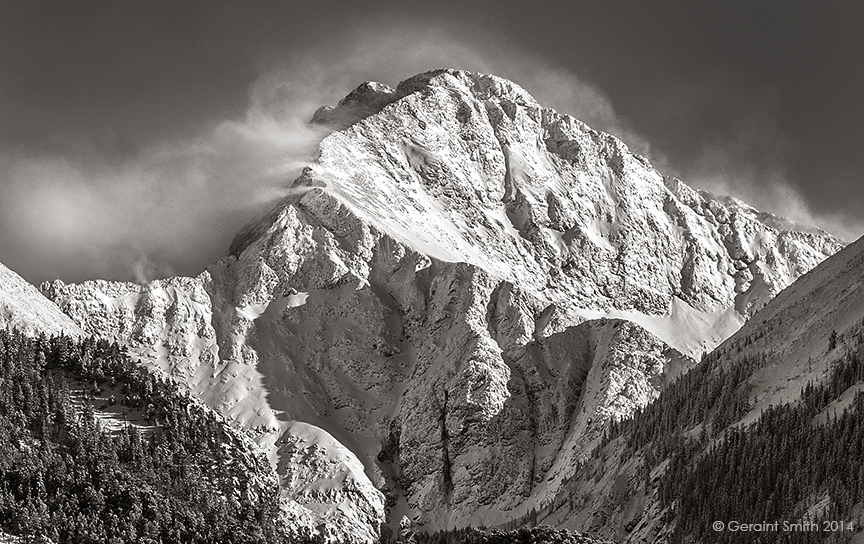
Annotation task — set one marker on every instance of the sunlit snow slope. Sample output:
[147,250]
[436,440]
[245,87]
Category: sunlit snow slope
[22,306]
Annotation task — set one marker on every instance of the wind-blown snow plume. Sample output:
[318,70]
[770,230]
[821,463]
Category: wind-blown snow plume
[169,208]
[749,165]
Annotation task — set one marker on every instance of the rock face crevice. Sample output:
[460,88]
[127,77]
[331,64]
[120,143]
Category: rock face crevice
[446,464]
[451,303]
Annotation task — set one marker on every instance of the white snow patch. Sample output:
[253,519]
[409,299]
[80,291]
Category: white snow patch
[690,331]
[253,311]
[598,230]
[297,299]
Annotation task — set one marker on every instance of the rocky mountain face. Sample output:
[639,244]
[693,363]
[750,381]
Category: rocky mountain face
[23,307]
[454,300]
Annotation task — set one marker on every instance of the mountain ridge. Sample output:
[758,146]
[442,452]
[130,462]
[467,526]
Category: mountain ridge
[22,306]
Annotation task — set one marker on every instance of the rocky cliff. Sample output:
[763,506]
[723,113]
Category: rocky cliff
[457,295]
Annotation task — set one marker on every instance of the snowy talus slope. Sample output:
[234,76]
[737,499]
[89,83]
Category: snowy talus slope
[458,293]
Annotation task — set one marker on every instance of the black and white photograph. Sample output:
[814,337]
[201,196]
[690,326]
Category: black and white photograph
[431,272]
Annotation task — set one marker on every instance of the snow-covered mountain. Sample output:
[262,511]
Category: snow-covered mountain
[455,298]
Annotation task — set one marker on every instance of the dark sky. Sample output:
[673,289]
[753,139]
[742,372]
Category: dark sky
[137,137]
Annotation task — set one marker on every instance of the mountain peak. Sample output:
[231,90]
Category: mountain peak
[468,167]
[463,286]
[367,99]
[482,86]
[371,97]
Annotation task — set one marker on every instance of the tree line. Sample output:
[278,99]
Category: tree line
[522,535]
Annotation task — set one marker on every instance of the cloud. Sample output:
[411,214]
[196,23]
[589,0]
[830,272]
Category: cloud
[174,206]
[750,165]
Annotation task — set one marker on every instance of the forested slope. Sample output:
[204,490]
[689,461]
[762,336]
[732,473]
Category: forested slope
[182,476]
